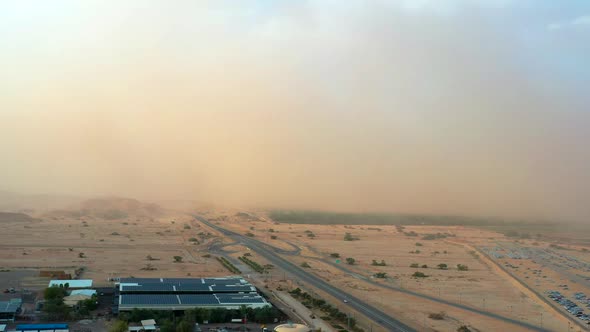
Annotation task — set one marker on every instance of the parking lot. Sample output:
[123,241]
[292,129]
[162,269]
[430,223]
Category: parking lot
[575,307]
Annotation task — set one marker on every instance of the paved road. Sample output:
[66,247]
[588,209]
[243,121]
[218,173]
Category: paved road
[374,314]
[439,300]
[431,298]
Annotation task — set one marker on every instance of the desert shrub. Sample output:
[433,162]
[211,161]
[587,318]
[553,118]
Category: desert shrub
[350,237]
[414,265]
[437,315]
[419,275]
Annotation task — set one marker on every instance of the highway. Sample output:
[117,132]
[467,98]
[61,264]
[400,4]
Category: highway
[374,314]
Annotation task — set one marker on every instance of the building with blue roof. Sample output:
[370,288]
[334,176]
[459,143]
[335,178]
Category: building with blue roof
[42,327]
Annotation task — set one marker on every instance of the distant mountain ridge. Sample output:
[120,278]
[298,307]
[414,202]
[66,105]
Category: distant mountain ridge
[15,217]
[30,203]
[111,208]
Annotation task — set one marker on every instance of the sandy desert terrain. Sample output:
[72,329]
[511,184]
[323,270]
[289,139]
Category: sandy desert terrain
[107,246]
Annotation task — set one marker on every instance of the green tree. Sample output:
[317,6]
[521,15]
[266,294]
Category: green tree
[335,255]
[350,261]
[167,326]
[185,326]
[177,259]
[54,292]
[419,275]
[349,237]
[442,266]
[462,267]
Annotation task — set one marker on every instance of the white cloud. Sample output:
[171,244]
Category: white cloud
[582,20]
[444,7]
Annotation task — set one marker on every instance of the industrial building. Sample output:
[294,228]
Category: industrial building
[9,309]
[187,293]
[72,284]
[42,328]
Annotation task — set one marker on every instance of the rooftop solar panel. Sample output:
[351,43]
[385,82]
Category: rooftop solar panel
[148,288]
[10,306]
[148,299]
[188,300]
[185,285]
[198,299]
[239,298]
[232,288]
[193,287]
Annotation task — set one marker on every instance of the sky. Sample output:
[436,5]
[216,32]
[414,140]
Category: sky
[468,107]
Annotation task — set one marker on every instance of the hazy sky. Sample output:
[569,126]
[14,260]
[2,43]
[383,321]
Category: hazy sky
[457,106]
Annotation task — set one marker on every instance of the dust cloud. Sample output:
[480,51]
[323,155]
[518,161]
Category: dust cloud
[366,106]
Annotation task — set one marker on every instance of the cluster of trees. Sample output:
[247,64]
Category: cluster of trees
[228,265]
[330,218]
[437,236]
[254,265]
[168,322]
[333,313]
[55,309]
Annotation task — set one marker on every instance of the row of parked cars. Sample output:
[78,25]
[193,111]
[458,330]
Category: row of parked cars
[571,306]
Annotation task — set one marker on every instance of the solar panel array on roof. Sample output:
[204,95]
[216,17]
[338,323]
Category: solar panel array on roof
[148,288]
[239,298]
[198,299]
[185,285]
[163,301]
[11,306]
[210,281]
